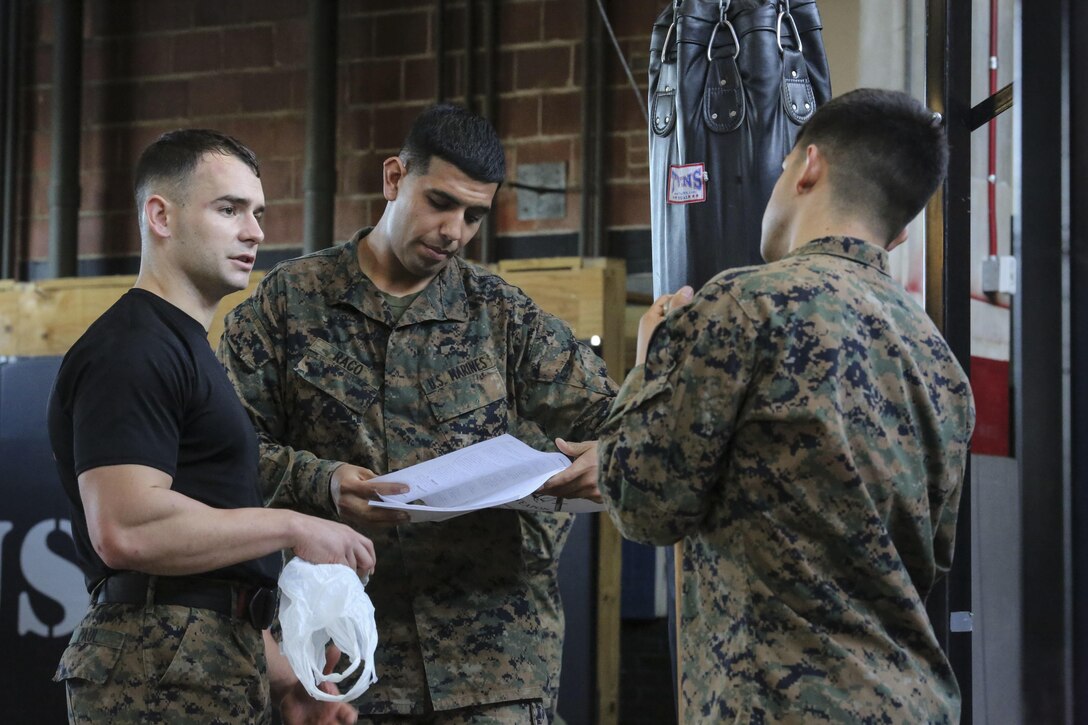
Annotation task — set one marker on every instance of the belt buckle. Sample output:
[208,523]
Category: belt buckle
[262,607]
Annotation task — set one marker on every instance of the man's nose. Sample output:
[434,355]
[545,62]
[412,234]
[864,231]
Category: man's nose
[252,231]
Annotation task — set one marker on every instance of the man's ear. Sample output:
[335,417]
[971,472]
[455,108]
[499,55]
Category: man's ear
[899,239]
[813,170]
[393,172]
[157,213]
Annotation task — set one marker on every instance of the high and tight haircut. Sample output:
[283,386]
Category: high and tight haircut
[172,157]
[458,136]
[887,154]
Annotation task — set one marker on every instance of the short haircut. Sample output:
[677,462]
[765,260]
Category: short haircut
[887,154]
[458,136]
[175,155]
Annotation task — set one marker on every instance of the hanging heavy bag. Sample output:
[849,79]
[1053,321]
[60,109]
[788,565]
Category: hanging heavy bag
[731,84]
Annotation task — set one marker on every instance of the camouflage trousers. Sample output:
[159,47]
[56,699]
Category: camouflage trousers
[164,664]
[522,712]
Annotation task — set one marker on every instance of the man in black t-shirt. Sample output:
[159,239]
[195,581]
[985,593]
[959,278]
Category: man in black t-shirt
[159,460]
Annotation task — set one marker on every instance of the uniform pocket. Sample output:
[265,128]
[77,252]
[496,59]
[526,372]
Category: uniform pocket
[335,375]
[209,652]
[92,654]
[483,392]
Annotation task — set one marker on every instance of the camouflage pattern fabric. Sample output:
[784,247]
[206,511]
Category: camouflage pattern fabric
[525,712]
[803,427]
[468,609]
[164,664]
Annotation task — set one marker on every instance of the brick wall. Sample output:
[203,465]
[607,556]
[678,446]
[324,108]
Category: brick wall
[239,66]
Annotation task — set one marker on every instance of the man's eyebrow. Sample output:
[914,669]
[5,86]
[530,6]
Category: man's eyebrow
[239,201]
[454,201]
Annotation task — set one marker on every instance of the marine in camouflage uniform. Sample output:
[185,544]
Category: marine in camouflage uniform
[467,609]
[803,428]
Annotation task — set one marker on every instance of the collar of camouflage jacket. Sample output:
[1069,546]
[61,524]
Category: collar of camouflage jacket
[856,250]
[442,299]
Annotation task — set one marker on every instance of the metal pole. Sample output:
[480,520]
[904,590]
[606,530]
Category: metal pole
[439,51]
[10,151]
[470,55]
[320,177]
[590,241]
[948,285]
[1040,345]
[489,111]
[64,168]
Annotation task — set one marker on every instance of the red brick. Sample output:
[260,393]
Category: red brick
[159,99]
[41,150]
[38,239]
[564,20]
[39,195]
[536,152]
[288,136]
[624,112]
[216,96]
[40,59]
[638,154]
[283,223]
[146,55]
[198,51]
[356,38]
[280,180]
[354,129]
[504,73]
[373,81]
[420,79]
[453,28]
[351,214]
[250,47]
[98,62]
[106,191]
[109,234]
[110,18]
[220,12]
[162,15]
[637,53]
[402,34]
[520,23]
[628,204]
[633,17]
[291,42]
[276,10]
[358,173]
[255,132]
[548,67]
[561,113]
[391,126]
[519,117]
[272,91]
[616,157]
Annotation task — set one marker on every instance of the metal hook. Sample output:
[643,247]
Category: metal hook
[736,41]
[665,45]
[723,8]
[793,27]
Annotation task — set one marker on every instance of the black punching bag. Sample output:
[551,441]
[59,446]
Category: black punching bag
[731,84]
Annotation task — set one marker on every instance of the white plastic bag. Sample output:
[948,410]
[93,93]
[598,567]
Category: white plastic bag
[319,602]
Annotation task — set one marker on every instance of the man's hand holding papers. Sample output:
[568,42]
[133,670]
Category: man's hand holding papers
[502,472]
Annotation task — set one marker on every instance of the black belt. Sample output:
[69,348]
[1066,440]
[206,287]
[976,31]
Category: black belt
[256,605]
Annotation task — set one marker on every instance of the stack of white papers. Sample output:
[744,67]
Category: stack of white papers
[502,472]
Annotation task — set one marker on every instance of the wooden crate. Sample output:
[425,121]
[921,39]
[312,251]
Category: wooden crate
[46,318]
[590,294]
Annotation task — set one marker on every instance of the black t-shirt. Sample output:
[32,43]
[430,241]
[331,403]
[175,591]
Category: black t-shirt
[142,386]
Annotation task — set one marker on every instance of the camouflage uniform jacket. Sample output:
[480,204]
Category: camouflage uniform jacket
[468,609]
[803,427]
